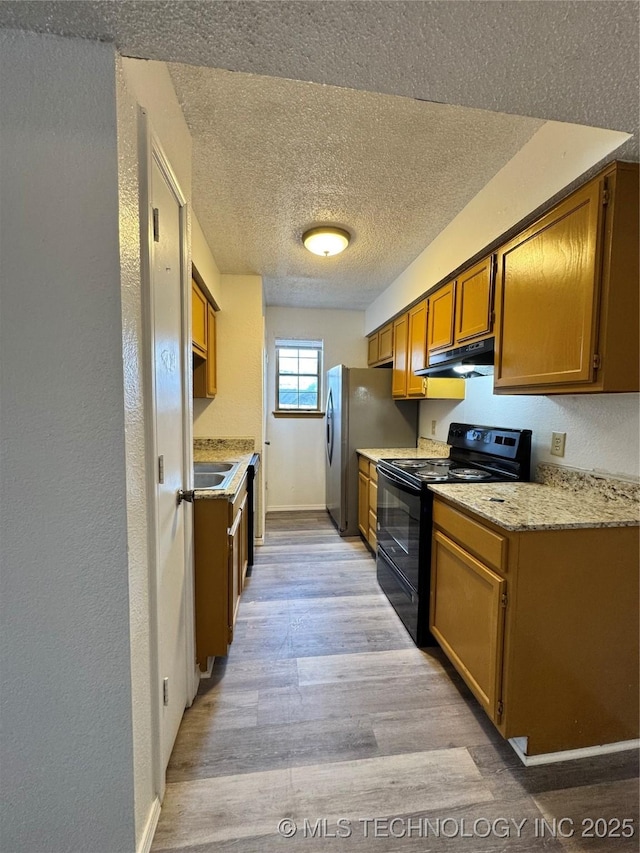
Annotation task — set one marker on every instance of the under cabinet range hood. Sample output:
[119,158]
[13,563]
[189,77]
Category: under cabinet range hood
[462,362]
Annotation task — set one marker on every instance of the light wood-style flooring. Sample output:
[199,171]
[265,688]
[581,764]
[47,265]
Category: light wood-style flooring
[327,715]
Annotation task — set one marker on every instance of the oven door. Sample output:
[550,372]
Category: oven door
[399,525]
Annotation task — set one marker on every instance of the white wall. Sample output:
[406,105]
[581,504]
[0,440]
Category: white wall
[236,411]
[555,156]
[67,769]
[203,260]
[602,429]
[295,459]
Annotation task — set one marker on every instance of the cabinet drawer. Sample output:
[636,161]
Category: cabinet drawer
[479,540]
[363,465]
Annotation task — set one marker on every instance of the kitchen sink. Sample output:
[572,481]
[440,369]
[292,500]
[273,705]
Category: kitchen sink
[213,475]
[214,467]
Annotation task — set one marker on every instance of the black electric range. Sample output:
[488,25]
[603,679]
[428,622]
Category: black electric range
[478,454]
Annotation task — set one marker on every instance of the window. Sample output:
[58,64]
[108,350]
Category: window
[298,375]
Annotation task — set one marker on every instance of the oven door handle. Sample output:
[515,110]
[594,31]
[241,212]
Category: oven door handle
[412,490]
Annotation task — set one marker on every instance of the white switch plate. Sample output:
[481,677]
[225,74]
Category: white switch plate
[558,440]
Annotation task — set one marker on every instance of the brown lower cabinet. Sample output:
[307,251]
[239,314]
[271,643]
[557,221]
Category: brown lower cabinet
[221,559]
[368,501]
[542,625]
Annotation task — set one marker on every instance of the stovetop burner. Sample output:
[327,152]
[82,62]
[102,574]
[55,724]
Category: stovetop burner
[469,474]
[432,476]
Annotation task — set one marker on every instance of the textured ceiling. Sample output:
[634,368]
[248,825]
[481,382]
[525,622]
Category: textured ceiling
[273,156]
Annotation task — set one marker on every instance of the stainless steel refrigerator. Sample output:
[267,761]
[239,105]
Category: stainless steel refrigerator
[360,414]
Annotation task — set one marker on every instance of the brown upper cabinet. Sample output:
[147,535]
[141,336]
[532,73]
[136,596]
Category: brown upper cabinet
[203,336]
[199,304]
[417,356]
[461,311]
[410,354]
[441,317]
[567,294]
[381,346]
[205,377]
[400,356]
[474,303]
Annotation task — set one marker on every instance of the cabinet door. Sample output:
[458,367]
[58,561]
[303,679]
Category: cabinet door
[441,319]
[373,350]
[243,560]
[372,512]
[198,319]
[400,356]
[212,363]
[235,569]
[547,293]
[474,302]
[385,343]
[417,348]
[467,618]
[363,504]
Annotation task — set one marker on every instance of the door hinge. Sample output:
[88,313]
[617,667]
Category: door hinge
[503,599]
[500,708]
[230,637]
[161,469]
[492,317]
[165,691]
[597,362]
[156,225]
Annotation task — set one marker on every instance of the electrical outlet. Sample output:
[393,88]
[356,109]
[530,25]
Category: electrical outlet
[433,427]
[558,440]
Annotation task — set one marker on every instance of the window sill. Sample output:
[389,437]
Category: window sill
[293,414]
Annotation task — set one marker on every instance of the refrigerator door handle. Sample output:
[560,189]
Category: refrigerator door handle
[330,427]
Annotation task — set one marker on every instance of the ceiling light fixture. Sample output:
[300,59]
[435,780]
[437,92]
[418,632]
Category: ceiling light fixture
[326,240]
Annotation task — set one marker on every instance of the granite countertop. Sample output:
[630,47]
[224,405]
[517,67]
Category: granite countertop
[542,506]
[223,450]
[427,448]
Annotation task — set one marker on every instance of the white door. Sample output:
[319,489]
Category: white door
[172,581]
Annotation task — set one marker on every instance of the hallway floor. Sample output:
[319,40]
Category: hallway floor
[326,716]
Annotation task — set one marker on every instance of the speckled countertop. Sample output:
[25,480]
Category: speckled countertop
[426,448]
[223,450]
[561,498]
[539,506]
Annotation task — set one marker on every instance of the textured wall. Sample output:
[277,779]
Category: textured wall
[203,260]
[135,448]
[602,429]
[295,460]
[67,770]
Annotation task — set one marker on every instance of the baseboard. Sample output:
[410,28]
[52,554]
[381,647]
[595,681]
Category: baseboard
[150,828]
[299,508]
[519,745]
[207,672]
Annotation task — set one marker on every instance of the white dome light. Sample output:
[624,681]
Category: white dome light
[326,240]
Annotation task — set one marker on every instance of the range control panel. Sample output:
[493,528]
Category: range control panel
[497,441]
